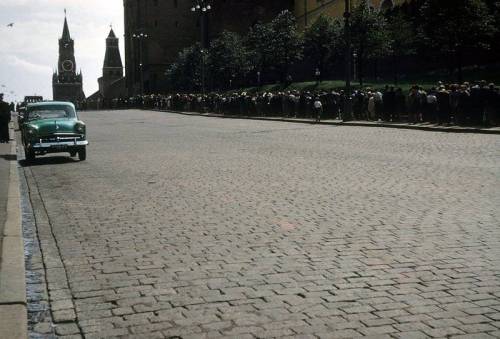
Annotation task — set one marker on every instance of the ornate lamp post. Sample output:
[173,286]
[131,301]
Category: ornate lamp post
[140,37]
[348,55]
[203,7]
[355,61]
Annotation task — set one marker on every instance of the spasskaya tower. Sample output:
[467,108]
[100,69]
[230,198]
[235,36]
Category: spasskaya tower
[66,82]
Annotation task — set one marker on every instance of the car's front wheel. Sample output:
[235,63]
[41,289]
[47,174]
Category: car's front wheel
[82,154]
[29,153]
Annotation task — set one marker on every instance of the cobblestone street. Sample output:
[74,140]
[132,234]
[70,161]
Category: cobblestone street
[195,227]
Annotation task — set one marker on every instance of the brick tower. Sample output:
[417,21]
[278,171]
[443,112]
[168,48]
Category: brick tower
[67,84]
[112,69]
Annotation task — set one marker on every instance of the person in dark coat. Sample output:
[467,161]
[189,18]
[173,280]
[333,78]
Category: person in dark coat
[444,109]
[399,104]
[389,100]
[4,120]
[388,97]
[432,106]
[492,109]
[475,112]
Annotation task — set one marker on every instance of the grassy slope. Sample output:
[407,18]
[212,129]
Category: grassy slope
[491,73]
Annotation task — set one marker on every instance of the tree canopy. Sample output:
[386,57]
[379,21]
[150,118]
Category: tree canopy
[370,35]
[323,42]
[228,59]
[440,28]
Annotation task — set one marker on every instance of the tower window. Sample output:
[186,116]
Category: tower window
[176,3]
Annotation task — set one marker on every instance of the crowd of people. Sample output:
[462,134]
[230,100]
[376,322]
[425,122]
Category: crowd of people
[466,104]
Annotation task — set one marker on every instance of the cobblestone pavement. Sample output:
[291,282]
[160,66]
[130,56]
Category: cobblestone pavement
[194,227]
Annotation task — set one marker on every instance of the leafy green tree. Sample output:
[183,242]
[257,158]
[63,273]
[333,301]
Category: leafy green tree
[275,46]
[403,37]
[456,26]
[285,44]
[323,42]
[370,35]
[185,74]
[258,42]
[228,59]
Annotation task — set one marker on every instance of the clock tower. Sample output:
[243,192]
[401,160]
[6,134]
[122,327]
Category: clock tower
[66,82]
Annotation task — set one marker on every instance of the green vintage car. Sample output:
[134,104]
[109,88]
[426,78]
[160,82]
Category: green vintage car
[53,127]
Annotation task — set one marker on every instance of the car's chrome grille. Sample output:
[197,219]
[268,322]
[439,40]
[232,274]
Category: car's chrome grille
[61,137]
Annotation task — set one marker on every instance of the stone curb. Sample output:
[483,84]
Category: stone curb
[13,311]
[454,129]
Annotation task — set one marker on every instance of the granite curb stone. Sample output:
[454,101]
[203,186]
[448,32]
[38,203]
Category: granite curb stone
[421,127]
[13,313]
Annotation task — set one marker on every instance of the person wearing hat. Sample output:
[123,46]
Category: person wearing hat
[4,120]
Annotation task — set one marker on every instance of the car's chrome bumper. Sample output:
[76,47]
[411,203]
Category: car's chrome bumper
[73,143]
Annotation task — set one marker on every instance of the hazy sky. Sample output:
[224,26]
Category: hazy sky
[29,50]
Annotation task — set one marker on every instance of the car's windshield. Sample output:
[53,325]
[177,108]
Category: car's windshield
[50,112]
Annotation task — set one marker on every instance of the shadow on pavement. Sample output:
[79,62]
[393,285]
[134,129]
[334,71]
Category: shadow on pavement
[8,157]
[47,161]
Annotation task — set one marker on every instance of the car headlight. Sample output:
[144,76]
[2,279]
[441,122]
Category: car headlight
[80,127]
[32,130]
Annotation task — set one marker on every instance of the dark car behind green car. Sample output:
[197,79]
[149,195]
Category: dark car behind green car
[53,127]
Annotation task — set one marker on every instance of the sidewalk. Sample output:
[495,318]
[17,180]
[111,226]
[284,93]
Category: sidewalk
[400,125]
[4,187]
[13,313]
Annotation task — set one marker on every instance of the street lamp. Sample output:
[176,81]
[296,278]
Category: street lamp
[140,37]
[258,78]
[347,27]
[203,7]
[355,62]
[317,74]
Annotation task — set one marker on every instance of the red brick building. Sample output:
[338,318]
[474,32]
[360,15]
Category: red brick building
[157,30]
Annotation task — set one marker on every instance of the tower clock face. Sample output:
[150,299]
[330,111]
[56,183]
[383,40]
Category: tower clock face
[67,65]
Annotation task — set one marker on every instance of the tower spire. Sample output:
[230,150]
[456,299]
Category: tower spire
[112,57]
[111,34]
[65,35]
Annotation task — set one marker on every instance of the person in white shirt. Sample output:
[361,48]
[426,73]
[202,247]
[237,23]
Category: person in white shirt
[318,108]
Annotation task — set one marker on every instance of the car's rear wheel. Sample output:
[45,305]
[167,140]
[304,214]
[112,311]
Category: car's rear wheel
[82,154]
[30,154]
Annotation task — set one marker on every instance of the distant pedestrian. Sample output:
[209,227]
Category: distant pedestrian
[4,120]
[318,108]
[431,106]
[454,102]
[399,104]
[379,104]
[443,105]
[491,105]
[371,106]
